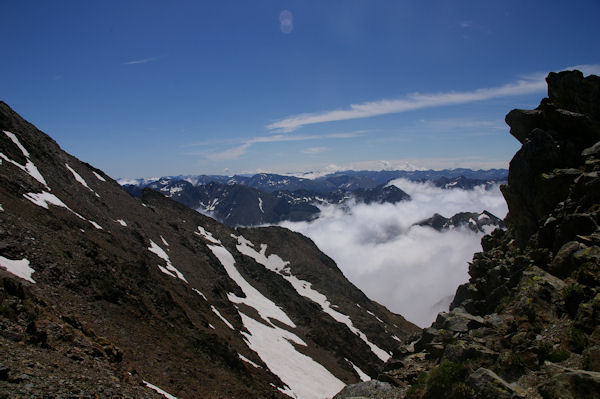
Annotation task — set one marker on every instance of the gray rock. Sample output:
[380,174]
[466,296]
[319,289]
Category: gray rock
[572,384]
[564,263]
[369,390]
[593,150]
[488,385]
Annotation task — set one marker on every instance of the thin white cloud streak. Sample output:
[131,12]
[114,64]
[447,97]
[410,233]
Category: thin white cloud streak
[143,61]
[411,102]
[412,270]
[232,153]
[236,152]
[531,83]
[314,150]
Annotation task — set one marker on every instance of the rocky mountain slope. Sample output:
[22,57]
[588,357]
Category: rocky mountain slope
[527,324]
[106,295]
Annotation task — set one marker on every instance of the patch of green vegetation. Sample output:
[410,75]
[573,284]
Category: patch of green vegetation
[417,389]
[577,339]
[447,381]
[516,360]
[559,355]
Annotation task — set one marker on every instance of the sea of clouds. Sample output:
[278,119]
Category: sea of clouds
[412,270]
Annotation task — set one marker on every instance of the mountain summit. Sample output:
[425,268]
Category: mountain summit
[106,295]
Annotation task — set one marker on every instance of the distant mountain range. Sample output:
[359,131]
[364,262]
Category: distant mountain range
[346,180]
[270,198]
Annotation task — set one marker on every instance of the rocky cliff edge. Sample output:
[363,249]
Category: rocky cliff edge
[526,325]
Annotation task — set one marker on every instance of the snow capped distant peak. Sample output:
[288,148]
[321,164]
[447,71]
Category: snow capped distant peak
[136,182]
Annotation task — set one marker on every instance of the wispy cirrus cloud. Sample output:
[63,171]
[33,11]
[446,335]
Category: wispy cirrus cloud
[142,61]
[410,102]
[314,150]
[528,84]
[238,151]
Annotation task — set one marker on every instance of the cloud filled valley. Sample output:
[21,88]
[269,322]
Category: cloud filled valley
[413,270]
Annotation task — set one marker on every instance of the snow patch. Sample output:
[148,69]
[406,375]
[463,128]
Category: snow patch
[121,222]
[96,225]
[249,361]
[373,314]
[304,377]
[1,208]
[175,189]
[169,269]
[19,268]
[29,167]
[275,264]
[254,298]
[260,203]
[44,198]
[215,311]
[164,241]
[160,391]
[361,374]
[78,177]
[208,235]
[199,293]
[98,176]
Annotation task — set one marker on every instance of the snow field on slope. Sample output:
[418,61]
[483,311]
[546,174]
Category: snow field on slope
[254,298]
[202,232]
[227,323]
[29,167]
[19,268]
[80,179]
[249,361]
[170,269]
[304,288]
[304,377]
[160,391]
[44,199]
[99,177]
[361,374]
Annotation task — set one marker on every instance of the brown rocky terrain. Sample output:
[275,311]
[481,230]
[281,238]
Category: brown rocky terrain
[527,324]
[103,294]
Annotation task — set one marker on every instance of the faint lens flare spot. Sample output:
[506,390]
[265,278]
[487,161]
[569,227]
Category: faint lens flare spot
[286,21]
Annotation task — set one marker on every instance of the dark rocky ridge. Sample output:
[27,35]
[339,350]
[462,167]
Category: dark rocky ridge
[102,317]
[237,204]
[527,324]
[474,221]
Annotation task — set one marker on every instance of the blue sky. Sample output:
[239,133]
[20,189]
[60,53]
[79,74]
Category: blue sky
[150,88]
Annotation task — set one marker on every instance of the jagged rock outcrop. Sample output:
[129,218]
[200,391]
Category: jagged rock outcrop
[527,324]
